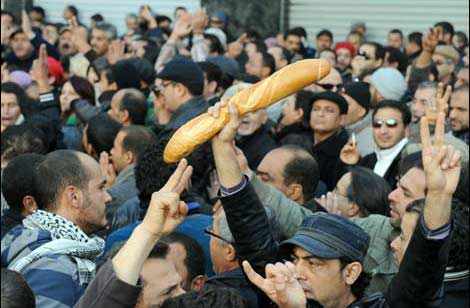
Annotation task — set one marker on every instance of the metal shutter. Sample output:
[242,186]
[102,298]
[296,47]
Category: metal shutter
[114,11]
[380,16]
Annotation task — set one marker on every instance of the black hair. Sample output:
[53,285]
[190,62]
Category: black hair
[268,61]
[72,10]
[463,37]
[215,44]
[195,258]
[260,46]
[396,56]
[325,32]
[135,103]
[302,169]
[39,10]
[297,31]
[97,18]
[286,54]
[446,26]
[304,100]
[379,50]
[210,296]
[402,108]
[152,173]
[397,31]
[18,179]
[159,251]
[212,71]
[56,171]
[22,139]
[83,88]
[16,293]
[249,78]
[137,138]
[161,18]
[410,161]
[253,35]
[358,288]
[20,94]
[101,131]
[369,191]
[416,37]
[5,12]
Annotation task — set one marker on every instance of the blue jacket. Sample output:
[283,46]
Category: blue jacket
[54,278]
[192,226]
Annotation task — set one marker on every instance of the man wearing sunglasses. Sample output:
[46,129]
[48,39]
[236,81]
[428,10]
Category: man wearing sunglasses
[370,56]
[390,122]
[181,83]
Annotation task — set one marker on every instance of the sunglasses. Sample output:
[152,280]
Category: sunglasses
[329,86]
[209,232]
[391,123]
[363,54]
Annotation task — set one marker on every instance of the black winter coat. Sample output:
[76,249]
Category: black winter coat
[419,282]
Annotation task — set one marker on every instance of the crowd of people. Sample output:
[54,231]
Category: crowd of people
[352,192]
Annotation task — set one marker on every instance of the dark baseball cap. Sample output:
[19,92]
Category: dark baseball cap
[328,236]
[186,72]
[334,98]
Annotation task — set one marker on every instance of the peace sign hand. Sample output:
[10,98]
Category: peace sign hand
[441,162]
[166,211]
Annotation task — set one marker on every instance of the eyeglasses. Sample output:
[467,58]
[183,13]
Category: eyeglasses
[364,55]
[329,86]
[209,231]
[391,123]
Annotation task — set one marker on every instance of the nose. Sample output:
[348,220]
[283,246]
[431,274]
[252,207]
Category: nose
[108,197]
[392,195]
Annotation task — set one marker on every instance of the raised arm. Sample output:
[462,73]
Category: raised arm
[245,213]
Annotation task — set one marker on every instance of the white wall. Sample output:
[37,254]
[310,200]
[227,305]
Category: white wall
[114,11]
[379,15]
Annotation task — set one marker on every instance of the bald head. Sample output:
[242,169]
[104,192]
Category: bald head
[291,170]
[60,169]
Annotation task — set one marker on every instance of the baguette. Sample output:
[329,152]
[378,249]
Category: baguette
[281,84]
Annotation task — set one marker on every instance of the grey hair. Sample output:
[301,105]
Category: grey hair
[110,30]
[224,230]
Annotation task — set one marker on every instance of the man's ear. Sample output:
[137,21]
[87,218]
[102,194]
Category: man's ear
[230,253]
[212,86]
[295,192]
[124,115]
[130,157]
[351,272]
[353,210]
[73,196]
[342,120]
[29,204]
[198,283]
[299,114]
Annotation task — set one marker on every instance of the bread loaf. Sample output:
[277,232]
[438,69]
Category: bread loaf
[281,84]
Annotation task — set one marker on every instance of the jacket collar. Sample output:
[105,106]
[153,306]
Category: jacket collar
[125,174]
[333,144]
[192,108]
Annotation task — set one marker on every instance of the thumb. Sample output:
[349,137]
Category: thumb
[253,276]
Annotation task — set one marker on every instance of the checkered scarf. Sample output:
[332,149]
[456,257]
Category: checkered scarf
[67,239]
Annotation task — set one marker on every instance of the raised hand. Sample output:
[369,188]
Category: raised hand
[280,285]
[80,36]
[182,27]
[26,24]
[442,97]
[166,211]
[350,153]
[40,70]
[5,73]
[199,22]
[441,162]
[116,51]
[331,203]
[107,169]
[430,40]
[228,133]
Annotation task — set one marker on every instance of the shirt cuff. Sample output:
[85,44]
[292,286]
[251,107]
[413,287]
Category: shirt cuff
[233,190]
[435,235]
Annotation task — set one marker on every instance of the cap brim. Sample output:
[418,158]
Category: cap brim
[314,247]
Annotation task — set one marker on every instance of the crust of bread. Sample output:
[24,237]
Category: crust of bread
[281,84]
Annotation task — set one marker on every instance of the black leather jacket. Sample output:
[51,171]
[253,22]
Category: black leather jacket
[419,280]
